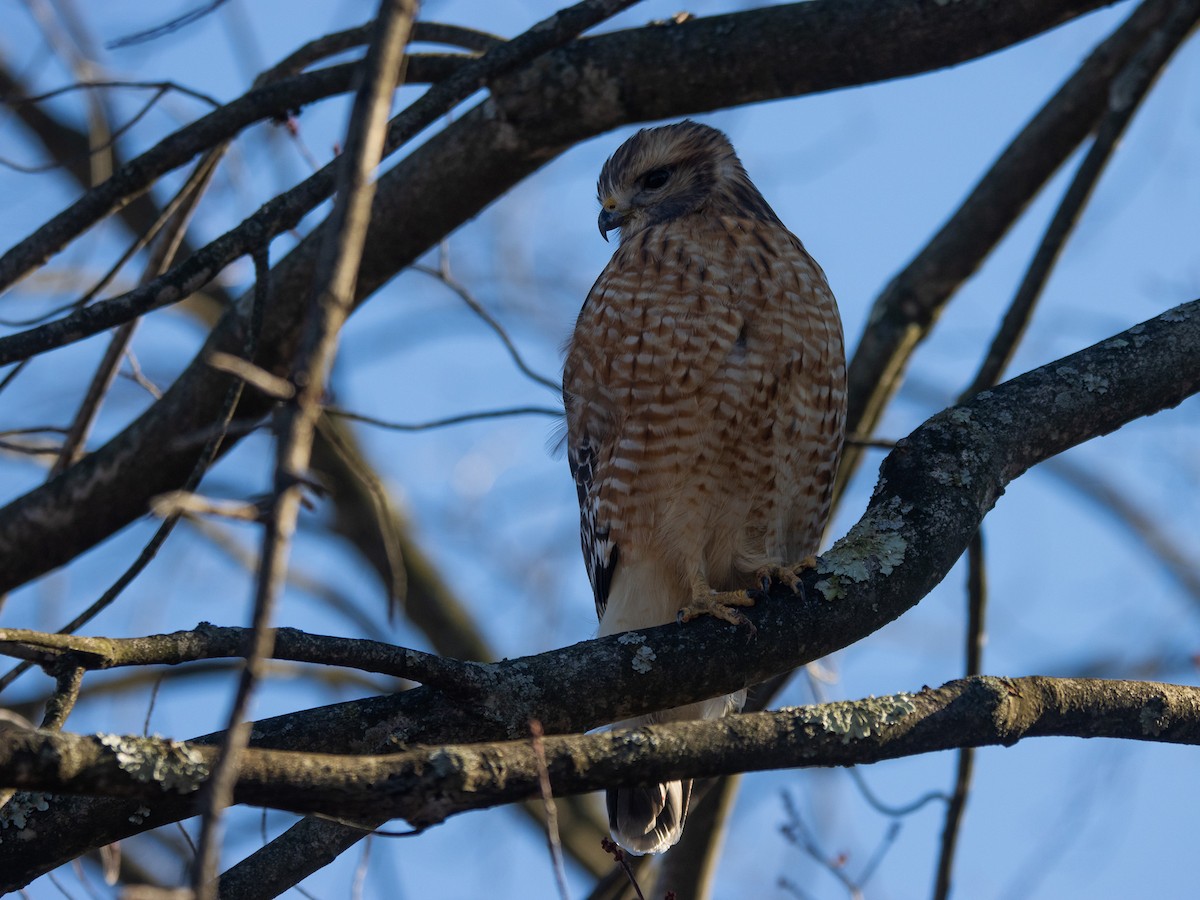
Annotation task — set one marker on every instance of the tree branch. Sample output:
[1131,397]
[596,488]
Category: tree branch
[934,490]
[567,96]
[904,314]
[426,785]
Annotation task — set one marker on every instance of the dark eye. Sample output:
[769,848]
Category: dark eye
[652,181]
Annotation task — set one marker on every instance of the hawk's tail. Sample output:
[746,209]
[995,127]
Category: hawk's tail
[648,818]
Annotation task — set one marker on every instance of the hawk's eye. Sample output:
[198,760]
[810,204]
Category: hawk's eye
[652,181]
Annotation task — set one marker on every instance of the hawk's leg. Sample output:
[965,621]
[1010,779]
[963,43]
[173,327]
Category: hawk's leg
[788,575]
[720,604]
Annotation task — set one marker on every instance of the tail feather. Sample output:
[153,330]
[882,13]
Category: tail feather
[648,818]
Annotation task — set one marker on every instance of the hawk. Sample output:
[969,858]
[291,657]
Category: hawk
[705,392]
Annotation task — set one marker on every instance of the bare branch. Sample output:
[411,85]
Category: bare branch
[909,306]
[167,27]
[331,301]
[484,153]
[1129,89]
[448,420]
[976,613]
[934,490]
[426,786]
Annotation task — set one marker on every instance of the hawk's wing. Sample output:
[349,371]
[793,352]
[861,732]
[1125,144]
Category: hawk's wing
[600,553]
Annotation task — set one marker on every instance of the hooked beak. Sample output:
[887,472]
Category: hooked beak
[608,220]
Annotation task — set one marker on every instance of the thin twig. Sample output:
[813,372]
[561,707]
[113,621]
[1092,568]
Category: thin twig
[187,196]
[1129,88]
[207,455]
[443,275]
[799,834]
[140,85]
[167,27]
[89,408]
[885,844]
[285,211]
[611,848]
[333,296]
[552,839]
[976,638]
[150,706]
[138,377]
[448,420]
[111,140]
[12,373]
[67,681]
[397,570]
[895,812]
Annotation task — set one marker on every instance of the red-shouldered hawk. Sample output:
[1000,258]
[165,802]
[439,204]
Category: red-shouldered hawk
[705,391]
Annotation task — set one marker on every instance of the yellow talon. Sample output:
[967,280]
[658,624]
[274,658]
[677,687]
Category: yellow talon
[720,605]
[788,575]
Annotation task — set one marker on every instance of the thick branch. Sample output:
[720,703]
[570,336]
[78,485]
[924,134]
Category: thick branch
[570,95]
[426,785]
[907,309]
[933,492]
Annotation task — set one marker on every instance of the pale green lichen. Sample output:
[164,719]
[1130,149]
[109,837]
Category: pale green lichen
[139,815]
[23,804]
[643,660]
[171,765]
[858,719]
[874,544]
[959,415]
[631,637]
[1178,314]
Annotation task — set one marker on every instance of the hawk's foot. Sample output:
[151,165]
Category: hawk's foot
[788,576]
[720,604]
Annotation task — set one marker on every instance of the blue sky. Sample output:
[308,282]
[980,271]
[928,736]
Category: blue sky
[863,176]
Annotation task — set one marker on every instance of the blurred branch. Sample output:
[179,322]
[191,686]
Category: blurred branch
[934,490]
[69,39]
[340,413]
[976,638]
[801,836]
[332,297]
[690,867]
[906,311]
[210,451]
[444,275]
[282,212]
[167,27]
[1126,93]
[529,121]
[174,226]
[1182,567]
[365,515]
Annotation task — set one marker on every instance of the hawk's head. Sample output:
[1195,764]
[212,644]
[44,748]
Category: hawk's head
[663,173]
